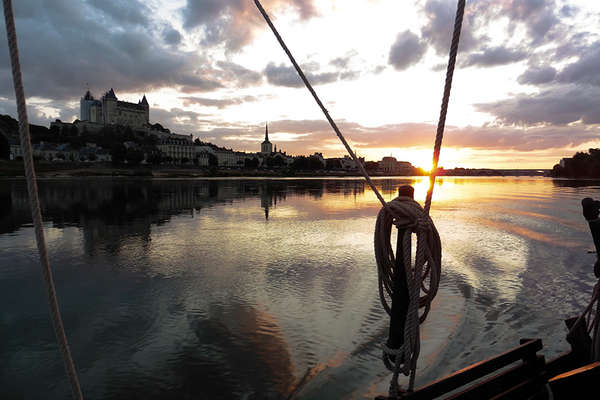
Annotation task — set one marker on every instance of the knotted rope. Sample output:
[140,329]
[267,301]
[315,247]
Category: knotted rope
[34,202]
[410,217]
[416,275]
[429,251]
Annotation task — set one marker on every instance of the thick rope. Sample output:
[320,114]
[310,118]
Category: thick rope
[460,11]
[34,203]
[408,353]
[426,268]
[415,275]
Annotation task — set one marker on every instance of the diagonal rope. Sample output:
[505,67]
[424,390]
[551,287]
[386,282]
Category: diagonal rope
[325,112]
[34,202]
[425,266]
[460,11]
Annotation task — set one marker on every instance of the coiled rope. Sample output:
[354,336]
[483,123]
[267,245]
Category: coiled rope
[426,267]
[420,222]
[429,252]
[34,202]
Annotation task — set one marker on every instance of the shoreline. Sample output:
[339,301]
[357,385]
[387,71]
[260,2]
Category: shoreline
[14,169]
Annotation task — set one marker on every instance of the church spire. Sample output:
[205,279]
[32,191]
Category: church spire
[266,132]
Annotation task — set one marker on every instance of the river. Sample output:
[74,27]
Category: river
[267,289]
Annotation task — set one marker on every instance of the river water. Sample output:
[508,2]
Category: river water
[267,289]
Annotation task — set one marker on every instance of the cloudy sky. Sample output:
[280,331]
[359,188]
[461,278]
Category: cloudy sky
[526,90]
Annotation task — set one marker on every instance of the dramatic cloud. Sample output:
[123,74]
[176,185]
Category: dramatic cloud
[538,15]
[63,47]
[237,74]
[122,12]
[439,27]
[304,136]
[539,19]
[490,57]
[407,50]
[172,36]
[585,70]
[232,22]
[558,106]
[181,121]
[344,61]
[537,76]
[281,75]
[219,103]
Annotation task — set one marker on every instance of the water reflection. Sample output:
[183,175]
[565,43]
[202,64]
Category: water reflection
[250,288]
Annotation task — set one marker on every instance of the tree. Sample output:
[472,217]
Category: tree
[371,165]
[275,161]
[149,140]
[332,163]
[213,161]
[54,131]
[251,162]
[118,153]
[155,158]
[134,156]
[74,131]
[4,147]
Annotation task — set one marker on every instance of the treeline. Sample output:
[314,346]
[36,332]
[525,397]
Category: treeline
[581,165]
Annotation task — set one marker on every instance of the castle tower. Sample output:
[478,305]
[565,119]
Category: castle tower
[266,147]
[85,104]
[109,106]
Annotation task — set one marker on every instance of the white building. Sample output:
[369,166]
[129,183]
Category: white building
[110,110]
[177,149]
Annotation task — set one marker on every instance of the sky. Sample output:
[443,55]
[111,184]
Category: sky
[526,89]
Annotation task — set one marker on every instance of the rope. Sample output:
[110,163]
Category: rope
[460,11]
[426,255]
[320,104]
[592,322]
[34,203]
[426,267]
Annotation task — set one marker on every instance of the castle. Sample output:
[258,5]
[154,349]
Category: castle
[110,110]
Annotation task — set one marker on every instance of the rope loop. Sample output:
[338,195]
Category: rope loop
[422,276]
[408,214]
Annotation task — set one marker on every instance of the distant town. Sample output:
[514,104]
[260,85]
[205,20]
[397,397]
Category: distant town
[111,132]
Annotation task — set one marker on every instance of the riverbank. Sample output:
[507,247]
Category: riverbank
[14,169]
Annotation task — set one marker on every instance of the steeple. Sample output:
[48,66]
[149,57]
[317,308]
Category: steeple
[144,101]
[266,132]
[266,147]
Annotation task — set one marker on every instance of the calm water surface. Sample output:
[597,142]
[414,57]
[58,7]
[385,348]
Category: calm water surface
[254,289]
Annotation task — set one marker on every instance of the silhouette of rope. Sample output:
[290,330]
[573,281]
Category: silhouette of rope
[385,277]
[325,112]
[427,266]
[460,11]
[34,202]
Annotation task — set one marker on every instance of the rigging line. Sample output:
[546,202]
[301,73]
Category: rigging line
[460,11]
[314,94]
[34,202]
